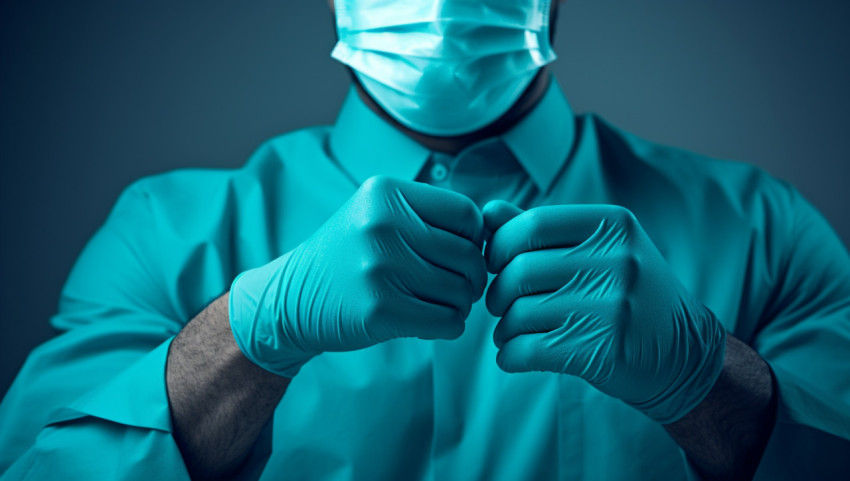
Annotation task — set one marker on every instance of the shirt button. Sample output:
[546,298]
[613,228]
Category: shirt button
[439,172]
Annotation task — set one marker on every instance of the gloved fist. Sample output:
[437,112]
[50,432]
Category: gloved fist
[582,290]
[399,259]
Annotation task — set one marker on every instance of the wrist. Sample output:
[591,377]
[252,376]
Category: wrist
[258,319]
[725,435]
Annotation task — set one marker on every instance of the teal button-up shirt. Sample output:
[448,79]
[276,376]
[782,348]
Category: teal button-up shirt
[91,403]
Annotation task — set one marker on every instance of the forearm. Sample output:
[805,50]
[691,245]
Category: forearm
[725,436]
[219,400]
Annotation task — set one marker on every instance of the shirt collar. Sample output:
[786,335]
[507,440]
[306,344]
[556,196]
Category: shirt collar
[366,145]
[543,139]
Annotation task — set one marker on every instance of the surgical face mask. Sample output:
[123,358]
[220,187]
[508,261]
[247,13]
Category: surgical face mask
[444,67]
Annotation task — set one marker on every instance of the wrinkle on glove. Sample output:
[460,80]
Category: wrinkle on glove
[399,259]
[582,290]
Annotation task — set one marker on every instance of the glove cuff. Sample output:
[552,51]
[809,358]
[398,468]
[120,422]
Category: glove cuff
[701,366]
[257,319]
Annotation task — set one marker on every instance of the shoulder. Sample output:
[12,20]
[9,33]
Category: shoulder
[720,186]
[189,196]
[185,234]
[271,155]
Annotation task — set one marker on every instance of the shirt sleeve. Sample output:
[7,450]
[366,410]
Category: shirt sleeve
[805,332]
[91,403]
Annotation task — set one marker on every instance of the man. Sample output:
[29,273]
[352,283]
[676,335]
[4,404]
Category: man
[318,314]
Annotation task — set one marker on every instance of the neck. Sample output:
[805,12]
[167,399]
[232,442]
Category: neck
[452,145]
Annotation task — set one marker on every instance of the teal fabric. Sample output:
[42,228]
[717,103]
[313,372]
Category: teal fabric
[91,403]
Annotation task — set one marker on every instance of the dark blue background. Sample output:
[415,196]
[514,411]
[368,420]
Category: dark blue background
[95,94]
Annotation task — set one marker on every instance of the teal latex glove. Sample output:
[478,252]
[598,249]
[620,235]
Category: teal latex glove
[582,290]
[398,259]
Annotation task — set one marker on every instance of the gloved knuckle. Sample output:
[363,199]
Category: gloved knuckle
[377,184]
[624,218]
[470,213]
[621,305]
[374,269]
[627,267]
[521,267]
[377,224]
[470,217]
[373,311]
[518,316]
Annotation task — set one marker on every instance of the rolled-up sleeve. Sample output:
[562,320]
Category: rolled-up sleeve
[120,430]
[91,403]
